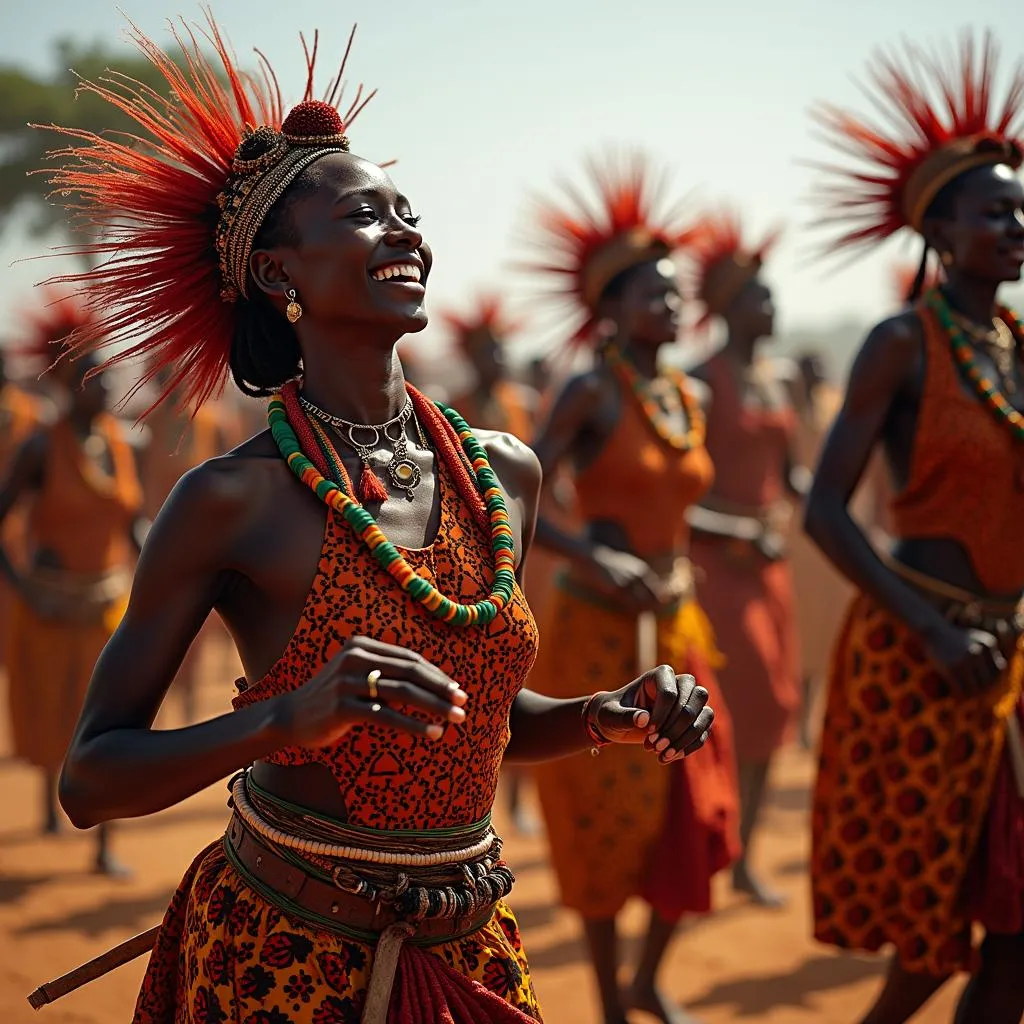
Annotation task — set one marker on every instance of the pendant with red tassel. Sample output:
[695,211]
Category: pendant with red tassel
[371,488]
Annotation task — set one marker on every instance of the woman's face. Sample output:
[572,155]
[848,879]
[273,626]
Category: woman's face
[649,308]
[752,311]
[353,254]
[985,234]
[87,395]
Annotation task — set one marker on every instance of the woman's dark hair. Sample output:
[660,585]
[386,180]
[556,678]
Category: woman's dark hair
[617,285]
[265,351]
[942,207]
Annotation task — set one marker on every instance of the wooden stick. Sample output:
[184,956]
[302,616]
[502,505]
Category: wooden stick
[1015,749]
[130,949]
[646,642]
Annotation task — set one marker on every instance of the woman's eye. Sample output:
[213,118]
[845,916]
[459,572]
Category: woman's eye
[364,213]
[412,219]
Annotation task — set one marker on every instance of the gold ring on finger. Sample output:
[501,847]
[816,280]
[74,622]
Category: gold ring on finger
[371,682]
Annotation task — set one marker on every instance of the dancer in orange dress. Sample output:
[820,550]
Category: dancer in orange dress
[78,481]
[740,525]
[364,554]
[21,414]
[918,815]
[634,438]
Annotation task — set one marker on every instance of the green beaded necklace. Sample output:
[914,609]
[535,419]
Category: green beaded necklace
[963,353]
[384,552]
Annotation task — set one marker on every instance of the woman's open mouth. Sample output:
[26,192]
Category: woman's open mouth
[407,275]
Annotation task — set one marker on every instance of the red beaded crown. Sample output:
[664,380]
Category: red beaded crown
[940,118]
[722,264]
[176,208]
[585,245]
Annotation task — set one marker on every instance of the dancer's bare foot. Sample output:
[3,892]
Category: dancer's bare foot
[107,864]
[745,881]
[654,1002]
[52,823]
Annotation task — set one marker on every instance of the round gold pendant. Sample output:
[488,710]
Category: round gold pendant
[404,474]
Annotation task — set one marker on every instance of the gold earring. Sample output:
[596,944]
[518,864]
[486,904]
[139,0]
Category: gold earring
[293,310]
[947,259]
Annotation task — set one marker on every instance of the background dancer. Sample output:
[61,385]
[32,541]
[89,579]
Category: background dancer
[741,523]
[77,479]
[918,820]
[635,440]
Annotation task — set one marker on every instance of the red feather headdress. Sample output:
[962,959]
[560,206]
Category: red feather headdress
[584,245]
[487,317]
[51,327]
[176,207]
[722,264]
[940,118]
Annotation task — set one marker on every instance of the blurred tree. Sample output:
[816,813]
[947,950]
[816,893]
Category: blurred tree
[27,98]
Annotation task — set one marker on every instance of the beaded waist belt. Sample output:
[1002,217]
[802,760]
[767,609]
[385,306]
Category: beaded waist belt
[92,588]
[382,888]
[776,516]
[958,605]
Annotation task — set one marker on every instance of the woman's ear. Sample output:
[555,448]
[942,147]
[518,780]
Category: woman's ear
[269,273]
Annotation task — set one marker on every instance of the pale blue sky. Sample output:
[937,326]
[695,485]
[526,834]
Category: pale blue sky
[482,102]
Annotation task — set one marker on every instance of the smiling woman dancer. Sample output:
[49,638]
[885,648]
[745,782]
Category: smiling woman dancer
[384,650]
[634,437]
[918,822]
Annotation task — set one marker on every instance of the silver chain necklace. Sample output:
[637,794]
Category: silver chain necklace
[403,472]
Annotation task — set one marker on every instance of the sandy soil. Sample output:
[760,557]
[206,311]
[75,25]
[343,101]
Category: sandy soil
[742,964]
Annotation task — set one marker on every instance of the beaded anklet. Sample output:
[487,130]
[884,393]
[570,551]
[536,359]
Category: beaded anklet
[338,495]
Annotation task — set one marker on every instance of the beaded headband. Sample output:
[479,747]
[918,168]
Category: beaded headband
[722,264]
[941,120]
[265,164]
[176,206]
[587,245]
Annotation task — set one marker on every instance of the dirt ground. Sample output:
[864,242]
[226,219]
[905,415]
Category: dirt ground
[741,964]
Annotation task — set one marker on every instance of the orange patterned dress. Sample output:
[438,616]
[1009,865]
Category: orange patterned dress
[224,953]
[905,850]
[79,532]
[620,825]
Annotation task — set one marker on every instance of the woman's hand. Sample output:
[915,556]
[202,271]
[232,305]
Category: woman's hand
[972,659]
[639,585]
[342,695]
[666,712]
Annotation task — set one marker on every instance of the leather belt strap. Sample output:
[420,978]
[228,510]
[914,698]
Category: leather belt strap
[325,902]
